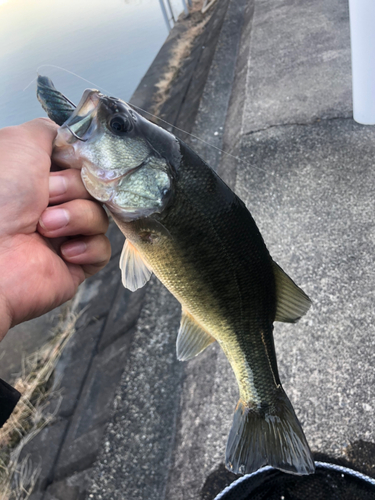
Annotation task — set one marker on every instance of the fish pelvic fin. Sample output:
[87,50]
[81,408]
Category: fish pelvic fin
[268,437]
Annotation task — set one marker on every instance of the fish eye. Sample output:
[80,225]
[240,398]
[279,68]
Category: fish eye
[119,124]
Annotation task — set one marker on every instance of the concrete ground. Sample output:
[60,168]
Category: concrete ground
[277,97]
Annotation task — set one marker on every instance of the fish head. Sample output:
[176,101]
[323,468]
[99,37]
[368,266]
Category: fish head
[126,162]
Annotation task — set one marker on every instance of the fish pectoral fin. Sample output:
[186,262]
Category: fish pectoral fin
[134,272]
[192,339]
[291,301]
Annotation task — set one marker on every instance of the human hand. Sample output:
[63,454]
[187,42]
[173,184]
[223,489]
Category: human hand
[45,251]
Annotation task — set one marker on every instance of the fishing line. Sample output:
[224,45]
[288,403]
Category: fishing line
[67,71]
[199,139]
[148,113]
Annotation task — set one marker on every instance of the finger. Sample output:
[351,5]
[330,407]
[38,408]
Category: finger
[42,132]
[29,144]
[73,218]
[39,133]
[90,252]
[66,185]
[24,171]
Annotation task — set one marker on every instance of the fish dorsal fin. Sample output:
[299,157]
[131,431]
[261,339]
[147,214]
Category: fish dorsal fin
[291,301]
[134,271]
[192,339]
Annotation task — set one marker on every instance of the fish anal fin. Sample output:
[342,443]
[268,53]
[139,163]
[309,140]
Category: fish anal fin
[275,438]
[134,272]
[291,301]
[192,339]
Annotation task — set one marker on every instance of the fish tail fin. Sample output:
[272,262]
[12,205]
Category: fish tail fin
[271,436]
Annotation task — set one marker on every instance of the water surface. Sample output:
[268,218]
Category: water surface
[109,42]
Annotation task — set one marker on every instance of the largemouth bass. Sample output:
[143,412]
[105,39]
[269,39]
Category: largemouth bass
[183,223]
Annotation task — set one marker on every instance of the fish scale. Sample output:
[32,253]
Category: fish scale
[183,223]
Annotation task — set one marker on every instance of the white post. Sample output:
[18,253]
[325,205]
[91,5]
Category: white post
[362,33]
[185,7]
[165,15]
[171,10]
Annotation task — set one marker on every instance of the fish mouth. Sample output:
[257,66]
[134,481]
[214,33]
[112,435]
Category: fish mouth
[79,127]
[82,119]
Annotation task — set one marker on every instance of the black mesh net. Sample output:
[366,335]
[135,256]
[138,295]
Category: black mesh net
[330,482]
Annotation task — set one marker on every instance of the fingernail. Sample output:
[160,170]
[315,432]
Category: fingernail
[72,249]
[57,185]
[54,218]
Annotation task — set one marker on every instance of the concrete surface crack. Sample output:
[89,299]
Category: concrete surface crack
[303,124]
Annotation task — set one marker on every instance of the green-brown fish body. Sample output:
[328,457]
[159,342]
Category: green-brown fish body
[185,225]
[225,283]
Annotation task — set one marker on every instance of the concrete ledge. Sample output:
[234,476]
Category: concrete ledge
[82,442]
[71,488]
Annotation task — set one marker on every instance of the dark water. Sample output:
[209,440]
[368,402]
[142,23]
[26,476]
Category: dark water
[109,42]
